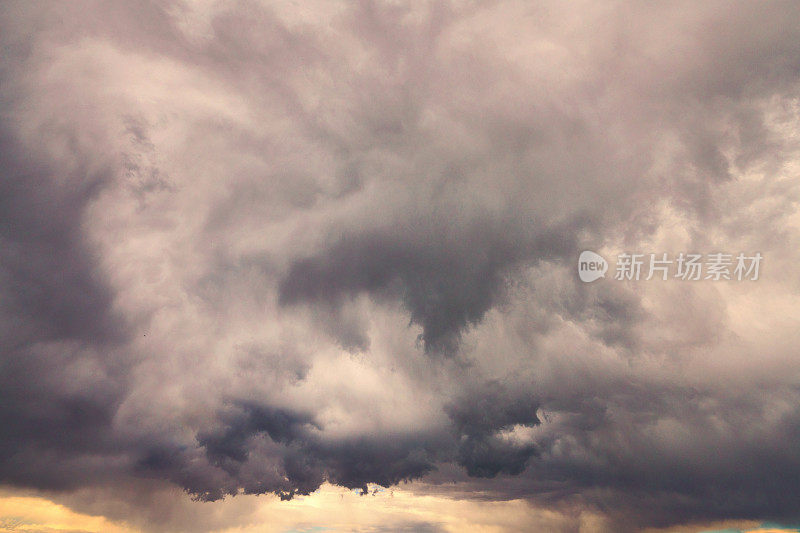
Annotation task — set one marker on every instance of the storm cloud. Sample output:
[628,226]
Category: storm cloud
[251,247]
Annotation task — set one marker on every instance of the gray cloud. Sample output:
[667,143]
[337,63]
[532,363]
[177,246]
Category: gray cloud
[446,286]
[60,382]
[250,249]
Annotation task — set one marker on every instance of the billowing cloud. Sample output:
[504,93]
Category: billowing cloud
[253,248]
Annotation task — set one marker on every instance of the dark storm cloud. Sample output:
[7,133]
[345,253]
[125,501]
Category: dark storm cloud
[48,270]
[446,279]
[304,459]
[479,416]
[597,458]
[223,228]
[55,317]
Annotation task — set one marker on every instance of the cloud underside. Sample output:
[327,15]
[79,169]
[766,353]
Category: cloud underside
[253,249]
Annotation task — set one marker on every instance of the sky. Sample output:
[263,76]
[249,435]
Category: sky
[314,266]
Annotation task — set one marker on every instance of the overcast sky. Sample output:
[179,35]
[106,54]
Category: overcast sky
[259,248]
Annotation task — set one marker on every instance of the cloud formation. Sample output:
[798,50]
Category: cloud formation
[252,248]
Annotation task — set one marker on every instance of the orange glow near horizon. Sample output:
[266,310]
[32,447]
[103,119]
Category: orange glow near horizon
[337,510]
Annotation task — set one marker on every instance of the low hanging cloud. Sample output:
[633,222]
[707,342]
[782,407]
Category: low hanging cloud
[253,248]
